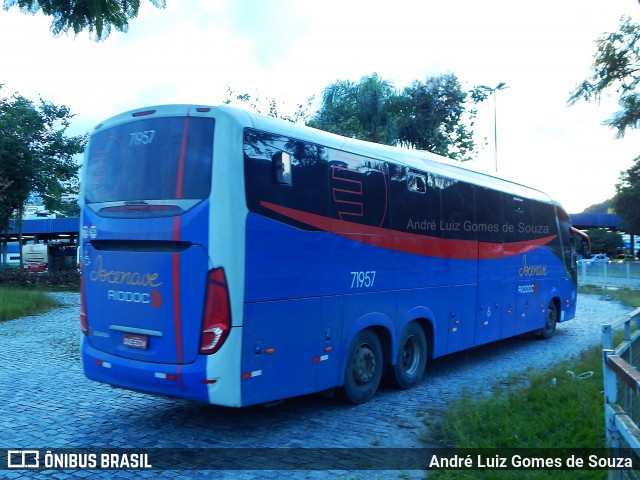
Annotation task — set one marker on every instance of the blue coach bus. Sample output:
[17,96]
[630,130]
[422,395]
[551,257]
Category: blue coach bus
[236,259]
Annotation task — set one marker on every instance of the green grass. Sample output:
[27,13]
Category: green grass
[626,296]
[553,409]
[544,414]
[20,302]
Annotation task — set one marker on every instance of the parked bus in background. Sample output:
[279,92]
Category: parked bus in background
[237,259]
[49,257]
[35,257]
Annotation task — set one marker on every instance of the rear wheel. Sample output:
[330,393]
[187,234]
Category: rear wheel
[549,328]
[363,370]
[412,358]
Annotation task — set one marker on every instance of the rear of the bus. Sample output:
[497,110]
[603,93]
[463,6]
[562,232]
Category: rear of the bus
[155,307]
[35,257]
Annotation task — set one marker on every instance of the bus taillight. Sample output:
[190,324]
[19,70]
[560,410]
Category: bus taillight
[217,313]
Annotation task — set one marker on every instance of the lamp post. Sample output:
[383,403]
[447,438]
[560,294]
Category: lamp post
[500,86]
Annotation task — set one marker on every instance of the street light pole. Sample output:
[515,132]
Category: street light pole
[500,86]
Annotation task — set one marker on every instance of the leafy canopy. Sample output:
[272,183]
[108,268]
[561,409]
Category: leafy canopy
[616,68]
[435,120]
[359,110]
[98,16]
[429,116]
[36,155]
[627,199]
[605,241]
[256,102]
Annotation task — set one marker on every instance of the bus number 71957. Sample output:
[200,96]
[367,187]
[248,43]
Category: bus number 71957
[363,279]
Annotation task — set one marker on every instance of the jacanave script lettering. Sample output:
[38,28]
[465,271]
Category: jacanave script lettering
[122,277]
[531,270]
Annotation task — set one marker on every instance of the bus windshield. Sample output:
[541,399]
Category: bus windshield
[149,161]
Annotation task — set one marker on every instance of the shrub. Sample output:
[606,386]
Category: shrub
[67,279]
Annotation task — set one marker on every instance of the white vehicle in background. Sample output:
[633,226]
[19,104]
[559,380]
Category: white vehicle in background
[35,257]
[52,257]
[598,258]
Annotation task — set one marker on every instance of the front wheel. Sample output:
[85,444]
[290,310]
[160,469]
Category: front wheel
[363,369]
[549,328]
[412,358]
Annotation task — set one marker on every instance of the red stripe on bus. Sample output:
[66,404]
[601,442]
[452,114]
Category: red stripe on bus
[177,319]
[411,242]
[176,228]
[175,260]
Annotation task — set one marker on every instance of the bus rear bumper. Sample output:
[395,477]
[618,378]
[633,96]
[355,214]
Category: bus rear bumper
[181,381]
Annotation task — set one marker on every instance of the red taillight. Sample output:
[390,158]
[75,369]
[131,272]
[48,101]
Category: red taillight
[83,309]
[216,323]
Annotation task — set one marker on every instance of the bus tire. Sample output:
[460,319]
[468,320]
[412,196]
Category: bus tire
[549,328]
[363,369]
[412,358]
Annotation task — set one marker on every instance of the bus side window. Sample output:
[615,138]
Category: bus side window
[518,205]
[416,183]
[281,163]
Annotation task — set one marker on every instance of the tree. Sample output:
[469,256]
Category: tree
[36,156]
[605,241]
[616,67]
[627,198]
[257,103]
[428,116]
[359,110]
[95,15]
[435,117]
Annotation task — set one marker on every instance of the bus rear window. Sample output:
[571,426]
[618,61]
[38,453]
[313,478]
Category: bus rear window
[151,159]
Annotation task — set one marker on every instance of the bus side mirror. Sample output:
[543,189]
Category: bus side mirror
[585,242]
[281,163]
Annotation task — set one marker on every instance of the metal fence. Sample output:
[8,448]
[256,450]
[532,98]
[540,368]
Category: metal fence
[610,274]
[621,356]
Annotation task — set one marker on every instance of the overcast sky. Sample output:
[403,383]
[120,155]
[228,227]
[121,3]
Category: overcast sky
[290,50]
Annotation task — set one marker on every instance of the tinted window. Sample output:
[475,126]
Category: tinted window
[414,211]
[359,189]
[151,159]
[489,215]
[519,219]
[458,209]
[286,172]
